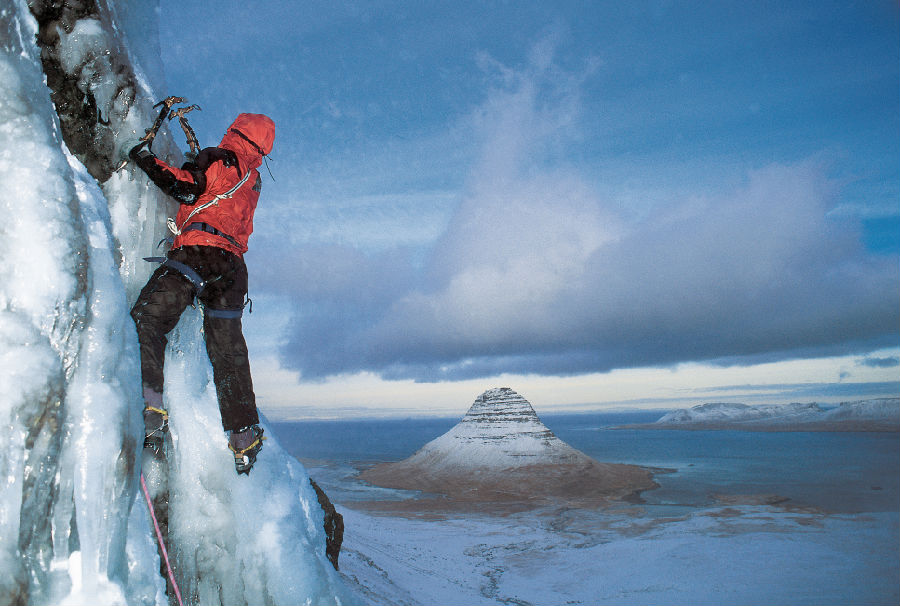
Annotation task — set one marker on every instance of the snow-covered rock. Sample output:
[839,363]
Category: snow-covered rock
[881,414]
[879,410]
[500,431]
[501,451]
[721,412]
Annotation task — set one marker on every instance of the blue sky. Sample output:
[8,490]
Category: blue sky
[558,194]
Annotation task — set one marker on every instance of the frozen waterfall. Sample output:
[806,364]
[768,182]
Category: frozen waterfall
[73,526]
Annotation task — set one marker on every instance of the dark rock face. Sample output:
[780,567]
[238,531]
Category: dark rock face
[334,526]
[39,490]
[501,412]
[90,109]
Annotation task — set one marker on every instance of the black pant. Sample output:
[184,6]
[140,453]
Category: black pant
[160,305]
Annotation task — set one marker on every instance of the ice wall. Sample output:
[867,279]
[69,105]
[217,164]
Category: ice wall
[72,528]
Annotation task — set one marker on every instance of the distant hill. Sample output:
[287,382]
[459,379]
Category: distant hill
[882,414]
[501,452]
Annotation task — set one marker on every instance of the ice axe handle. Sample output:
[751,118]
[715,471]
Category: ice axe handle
[166,104]
[188,131]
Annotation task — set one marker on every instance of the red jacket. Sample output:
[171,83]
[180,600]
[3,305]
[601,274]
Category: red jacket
[206,188]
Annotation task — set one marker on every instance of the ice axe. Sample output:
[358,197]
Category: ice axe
[188,131]
[150,133]
[166,104]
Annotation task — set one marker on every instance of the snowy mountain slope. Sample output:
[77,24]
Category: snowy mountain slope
[499,431]
[501,451]
[881,409]
[720,412]
[73,528]
[865,415]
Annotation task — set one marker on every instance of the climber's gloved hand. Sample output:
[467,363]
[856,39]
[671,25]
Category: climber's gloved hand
[140,152]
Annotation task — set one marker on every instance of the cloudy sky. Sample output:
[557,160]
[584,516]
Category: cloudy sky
[640,203]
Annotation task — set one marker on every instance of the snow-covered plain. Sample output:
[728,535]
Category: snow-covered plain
[748,554]
[729,539]
[74,528]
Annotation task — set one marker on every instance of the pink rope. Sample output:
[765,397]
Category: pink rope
[162,545]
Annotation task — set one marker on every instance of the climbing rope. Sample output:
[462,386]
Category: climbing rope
[159,538]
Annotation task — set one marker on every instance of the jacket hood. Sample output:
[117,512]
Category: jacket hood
[251,135]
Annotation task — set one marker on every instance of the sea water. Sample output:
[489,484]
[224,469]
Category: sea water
[334,452]
[839,472]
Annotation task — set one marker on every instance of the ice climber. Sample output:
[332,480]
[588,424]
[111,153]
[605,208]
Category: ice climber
[218,192]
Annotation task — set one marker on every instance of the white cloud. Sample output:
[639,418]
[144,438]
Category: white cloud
[282,395]
[537,271]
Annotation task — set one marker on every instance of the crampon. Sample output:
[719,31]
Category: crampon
[245,444]
[156,425]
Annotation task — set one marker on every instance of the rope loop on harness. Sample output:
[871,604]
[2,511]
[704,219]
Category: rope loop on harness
[177,229]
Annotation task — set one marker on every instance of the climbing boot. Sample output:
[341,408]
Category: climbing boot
[156,420]
[245,443]
[156,424]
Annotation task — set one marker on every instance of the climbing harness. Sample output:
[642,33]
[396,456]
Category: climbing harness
[200,227]
[233,313]
[206,227]
[185,270]
[159,538]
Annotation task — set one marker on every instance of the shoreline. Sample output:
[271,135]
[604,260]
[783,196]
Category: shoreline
[587,481]
[434,504]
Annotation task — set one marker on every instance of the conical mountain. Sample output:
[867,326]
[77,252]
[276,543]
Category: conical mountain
[500,431]
[501,451]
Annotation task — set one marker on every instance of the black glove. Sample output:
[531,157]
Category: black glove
[139,154]
[209,155]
